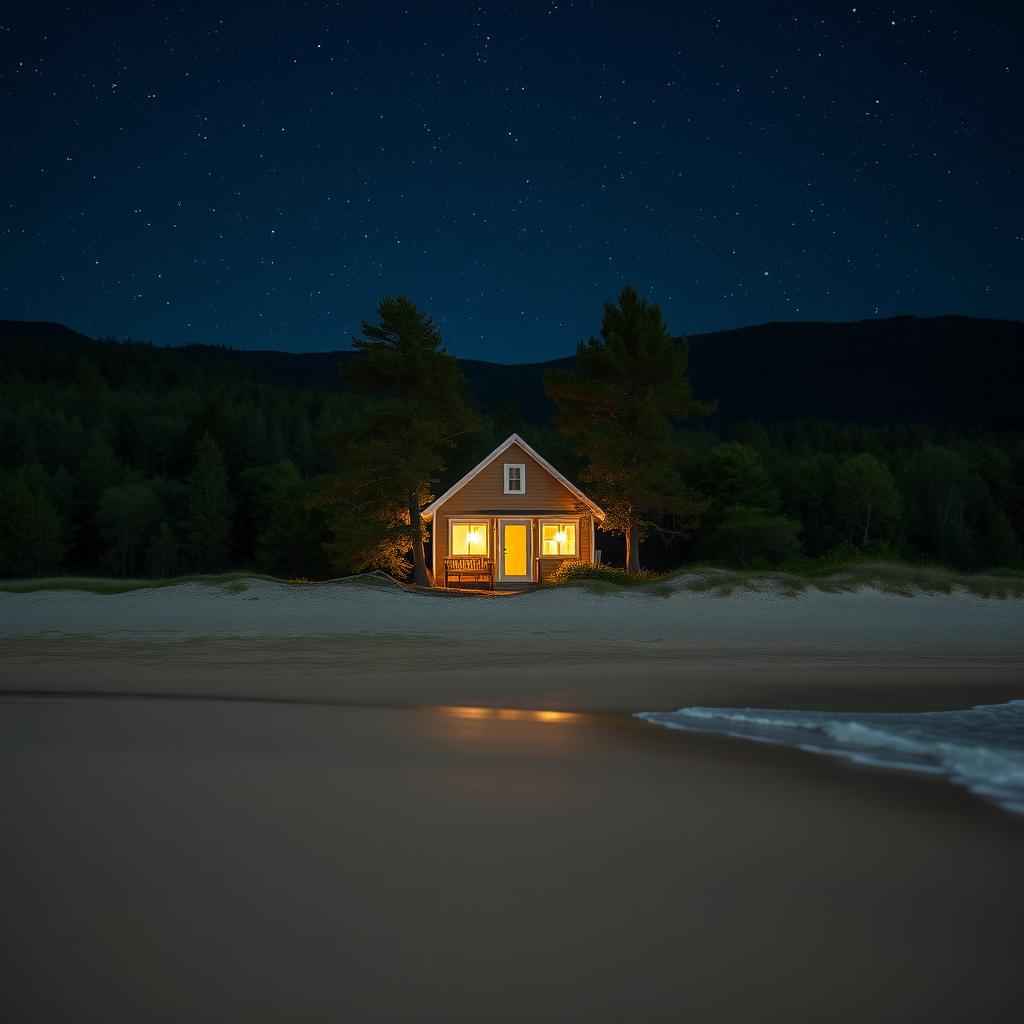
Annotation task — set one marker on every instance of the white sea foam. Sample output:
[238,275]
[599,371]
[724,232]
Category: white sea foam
[980,749]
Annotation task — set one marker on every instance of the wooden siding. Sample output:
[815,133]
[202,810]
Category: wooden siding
[487,488]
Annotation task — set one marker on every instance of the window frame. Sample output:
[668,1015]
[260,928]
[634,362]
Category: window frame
[560,521]
[521,466]
[488,528]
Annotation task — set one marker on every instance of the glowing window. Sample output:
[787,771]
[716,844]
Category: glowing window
[469,538]
[558,538]
[515,478]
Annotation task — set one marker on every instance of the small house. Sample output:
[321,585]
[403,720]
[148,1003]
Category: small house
[512,519]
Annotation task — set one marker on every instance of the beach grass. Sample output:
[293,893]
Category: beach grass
[233,582]
[898,578]
[792,580]
[908,580]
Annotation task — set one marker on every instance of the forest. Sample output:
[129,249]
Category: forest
[129,460]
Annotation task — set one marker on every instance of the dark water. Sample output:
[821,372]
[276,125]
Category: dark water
[980,749]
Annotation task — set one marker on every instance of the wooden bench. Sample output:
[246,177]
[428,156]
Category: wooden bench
[474,568]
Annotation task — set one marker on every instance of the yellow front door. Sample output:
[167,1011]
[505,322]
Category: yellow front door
[515,551]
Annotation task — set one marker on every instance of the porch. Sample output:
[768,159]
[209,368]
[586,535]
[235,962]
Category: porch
[455,576]
[512,552]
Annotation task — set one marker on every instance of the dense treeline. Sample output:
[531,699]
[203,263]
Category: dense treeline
[781,493]
[129,460]
[126,459]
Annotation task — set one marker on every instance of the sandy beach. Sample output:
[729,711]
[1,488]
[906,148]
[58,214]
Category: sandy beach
[339,803]
[618,652]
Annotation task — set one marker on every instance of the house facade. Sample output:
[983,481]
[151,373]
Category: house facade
[515,511]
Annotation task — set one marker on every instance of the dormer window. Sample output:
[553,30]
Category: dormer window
[515,478]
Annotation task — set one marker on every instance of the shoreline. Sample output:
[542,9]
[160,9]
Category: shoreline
[743,748]
[429,674]
[843,768]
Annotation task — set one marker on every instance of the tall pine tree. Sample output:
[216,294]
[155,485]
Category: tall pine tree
[209,507]
[30,527]
[417,405]
[620,408]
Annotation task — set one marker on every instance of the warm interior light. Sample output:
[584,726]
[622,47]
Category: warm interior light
[469,539]
[559,539]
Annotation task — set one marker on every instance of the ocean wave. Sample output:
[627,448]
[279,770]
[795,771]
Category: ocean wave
[980,749]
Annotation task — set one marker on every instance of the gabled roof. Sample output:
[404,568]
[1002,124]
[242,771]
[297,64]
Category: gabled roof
[429,511]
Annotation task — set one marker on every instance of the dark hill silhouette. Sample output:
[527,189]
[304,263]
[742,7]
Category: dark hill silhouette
[39,332]
[953,371]
[945,371]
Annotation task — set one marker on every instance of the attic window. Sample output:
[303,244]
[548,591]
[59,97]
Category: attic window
[515,478]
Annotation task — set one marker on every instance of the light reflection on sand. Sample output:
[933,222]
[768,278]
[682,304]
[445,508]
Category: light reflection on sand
[508,714]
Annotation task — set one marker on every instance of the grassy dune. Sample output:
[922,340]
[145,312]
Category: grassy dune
[892,578]
[905,580]
[234,582]
[888,577]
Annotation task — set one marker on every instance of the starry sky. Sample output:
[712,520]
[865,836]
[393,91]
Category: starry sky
[259,175]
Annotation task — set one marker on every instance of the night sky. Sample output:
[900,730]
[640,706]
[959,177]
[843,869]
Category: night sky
[259,176]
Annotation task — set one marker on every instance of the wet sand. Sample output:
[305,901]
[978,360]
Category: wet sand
[207,860]
[597,677]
